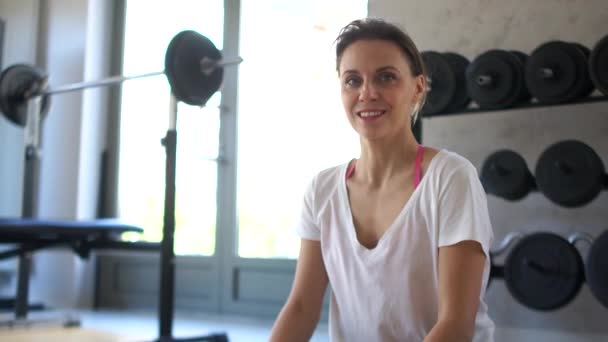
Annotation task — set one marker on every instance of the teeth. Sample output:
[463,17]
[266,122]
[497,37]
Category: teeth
[368,114]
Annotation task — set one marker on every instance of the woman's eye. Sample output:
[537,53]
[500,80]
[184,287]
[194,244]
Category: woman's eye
[352,82]
[386,77]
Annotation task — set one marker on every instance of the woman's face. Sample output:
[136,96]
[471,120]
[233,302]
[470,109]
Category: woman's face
[378,90]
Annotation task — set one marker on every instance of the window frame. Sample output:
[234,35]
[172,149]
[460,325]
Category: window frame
[223,282]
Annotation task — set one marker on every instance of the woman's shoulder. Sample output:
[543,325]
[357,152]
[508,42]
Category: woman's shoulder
[447,162]
[326,180]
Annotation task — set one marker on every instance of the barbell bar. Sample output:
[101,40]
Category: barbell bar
[187,53]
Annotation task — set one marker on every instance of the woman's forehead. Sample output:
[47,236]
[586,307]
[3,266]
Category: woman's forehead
[373,54]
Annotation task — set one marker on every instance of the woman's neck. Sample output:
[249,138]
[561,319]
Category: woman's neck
[383,159]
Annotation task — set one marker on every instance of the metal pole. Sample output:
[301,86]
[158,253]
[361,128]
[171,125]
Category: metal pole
[167,255]
[30,199]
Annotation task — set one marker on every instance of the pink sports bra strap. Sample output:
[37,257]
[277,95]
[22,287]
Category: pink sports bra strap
[418,166]
[351,169]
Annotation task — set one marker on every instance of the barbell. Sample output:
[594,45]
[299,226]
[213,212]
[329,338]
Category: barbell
[193,67]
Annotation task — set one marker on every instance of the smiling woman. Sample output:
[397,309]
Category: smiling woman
[401,86]
[401,234]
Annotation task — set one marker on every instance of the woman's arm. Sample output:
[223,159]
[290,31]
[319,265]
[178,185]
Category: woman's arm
[301,313]
[460,274]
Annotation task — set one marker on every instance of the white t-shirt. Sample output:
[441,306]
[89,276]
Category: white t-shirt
[390,292]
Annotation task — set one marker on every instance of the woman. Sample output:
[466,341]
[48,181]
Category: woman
[402,233]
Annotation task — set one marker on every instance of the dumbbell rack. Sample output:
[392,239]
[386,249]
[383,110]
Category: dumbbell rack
[498,271]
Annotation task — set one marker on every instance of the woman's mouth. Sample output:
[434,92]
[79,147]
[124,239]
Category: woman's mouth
[370,115]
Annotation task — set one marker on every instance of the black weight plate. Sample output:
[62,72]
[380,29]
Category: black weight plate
[596,269]
[442,83]
[18,83]
[183,58]
[506,73]
[598,65]
[524,94]
[568,66]
[459,65]
[505,174]
[586,85]
[570,173]
[544,271]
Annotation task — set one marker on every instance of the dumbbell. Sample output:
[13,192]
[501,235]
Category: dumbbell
[598,65]
[495,79]
[446,91]
[536,278]
[505,174]
[496,271]
[558,72]
[544,271]
[596,264]
[569,173]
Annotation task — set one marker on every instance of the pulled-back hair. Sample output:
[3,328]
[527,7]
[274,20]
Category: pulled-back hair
[378,29]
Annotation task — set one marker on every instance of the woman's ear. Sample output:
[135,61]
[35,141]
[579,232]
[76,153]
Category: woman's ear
[421,87]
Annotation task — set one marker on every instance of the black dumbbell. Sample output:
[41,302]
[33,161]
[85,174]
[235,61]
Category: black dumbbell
[596,264]
[570,173]
[505,174]
[496,271]
[540,280]
[495,79]
[558,72]
[445,82]
[537,279]
[598,65]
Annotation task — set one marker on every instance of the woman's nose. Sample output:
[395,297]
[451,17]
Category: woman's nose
[368,92]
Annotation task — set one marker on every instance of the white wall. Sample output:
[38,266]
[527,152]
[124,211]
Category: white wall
[473,26]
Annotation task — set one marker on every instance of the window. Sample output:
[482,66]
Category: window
[144,121]
[291,122]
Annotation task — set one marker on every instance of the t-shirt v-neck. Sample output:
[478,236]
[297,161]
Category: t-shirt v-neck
[352,232]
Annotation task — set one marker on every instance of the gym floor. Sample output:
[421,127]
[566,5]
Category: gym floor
[120,326]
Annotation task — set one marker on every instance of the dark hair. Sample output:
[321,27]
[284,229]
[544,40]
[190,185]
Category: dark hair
[372,29]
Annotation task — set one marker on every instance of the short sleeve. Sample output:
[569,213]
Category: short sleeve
[463,209]
[306,225]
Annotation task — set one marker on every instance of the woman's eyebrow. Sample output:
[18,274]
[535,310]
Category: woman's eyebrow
[387,68]
[381,69]
[350,71]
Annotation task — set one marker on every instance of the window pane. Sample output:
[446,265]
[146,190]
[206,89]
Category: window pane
[150,26]
[291,120]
